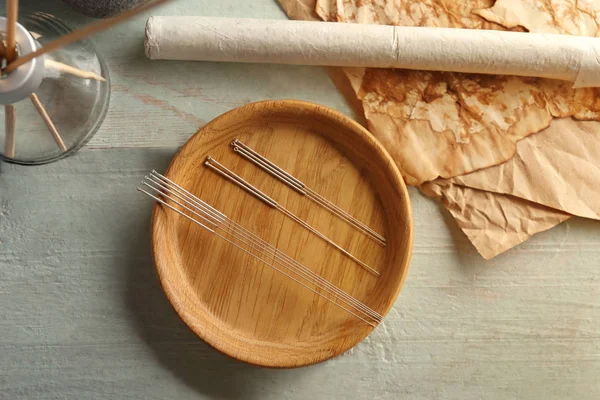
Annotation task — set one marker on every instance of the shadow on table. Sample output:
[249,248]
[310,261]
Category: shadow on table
[175,345]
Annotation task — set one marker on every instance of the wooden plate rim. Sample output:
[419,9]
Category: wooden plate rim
[281,105]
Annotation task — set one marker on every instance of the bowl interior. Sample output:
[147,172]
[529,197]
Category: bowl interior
[246,308]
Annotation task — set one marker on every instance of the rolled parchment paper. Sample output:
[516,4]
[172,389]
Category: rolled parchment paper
[569,58]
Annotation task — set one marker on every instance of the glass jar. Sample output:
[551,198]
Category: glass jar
[59,99]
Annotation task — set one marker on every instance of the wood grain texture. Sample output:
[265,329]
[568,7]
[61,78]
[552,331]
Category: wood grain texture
[82,315]
[149,108]
[247,309]
[12,16]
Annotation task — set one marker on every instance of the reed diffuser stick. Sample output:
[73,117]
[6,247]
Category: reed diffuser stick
[67,69]
[10,53]
[49,124]
[82,33]
[12,13]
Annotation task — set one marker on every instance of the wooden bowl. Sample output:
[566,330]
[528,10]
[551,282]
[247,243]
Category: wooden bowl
[245,308]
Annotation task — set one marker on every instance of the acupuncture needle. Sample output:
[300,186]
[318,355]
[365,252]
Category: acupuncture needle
[231,176]
[165,187]
[262,162]
[216,218]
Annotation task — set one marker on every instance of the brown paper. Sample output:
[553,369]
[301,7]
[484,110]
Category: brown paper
[563,17]
[300,9]
[558,167]
[494,223]
[458,123]
[552,175]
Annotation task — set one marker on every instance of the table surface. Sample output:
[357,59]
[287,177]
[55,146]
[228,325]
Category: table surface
[82,315]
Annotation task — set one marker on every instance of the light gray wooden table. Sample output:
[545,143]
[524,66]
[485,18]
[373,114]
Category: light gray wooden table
[82,315]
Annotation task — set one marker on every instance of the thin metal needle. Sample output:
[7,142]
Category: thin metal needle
[284,178]
[304,190]
[236,229]
[257,257]
[237,143]
[325,238]
[299,186]
[225,172]
[166,187]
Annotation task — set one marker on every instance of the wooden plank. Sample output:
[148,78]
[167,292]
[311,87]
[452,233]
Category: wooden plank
[162,103]
[82,314]
[150,109]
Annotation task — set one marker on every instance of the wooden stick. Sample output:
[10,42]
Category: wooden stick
[12,13]
[2,50]
[10,52]
[38,105]
[67,69]
[82,33]
[10,123]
